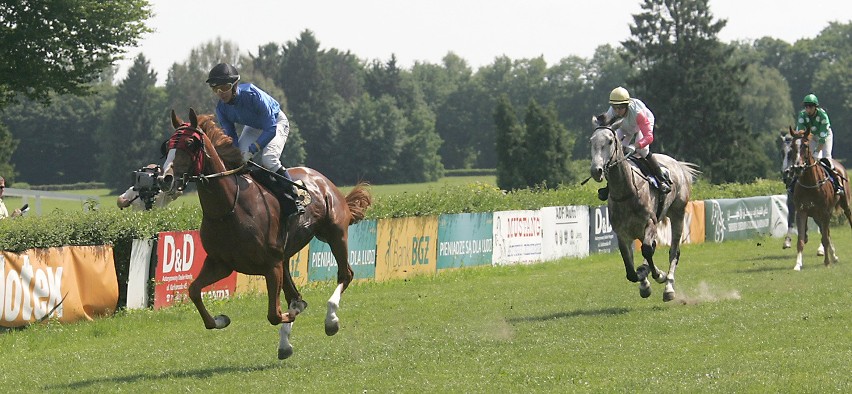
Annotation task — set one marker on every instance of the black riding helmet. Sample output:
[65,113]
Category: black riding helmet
[223,73]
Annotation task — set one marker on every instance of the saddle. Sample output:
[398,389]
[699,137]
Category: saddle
[643,167]
[281,189]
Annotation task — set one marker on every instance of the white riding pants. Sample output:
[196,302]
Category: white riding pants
[270,156]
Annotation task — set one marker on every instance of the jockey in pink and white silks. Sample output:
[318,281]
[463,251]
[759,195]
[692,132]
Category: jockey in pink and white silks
[636,131]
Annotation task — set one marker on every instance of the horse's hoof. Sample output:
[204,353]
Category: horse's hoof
[332,328]
[645,292]
[285,352]
[820,251]
[668,296]
[797,268]
[222,321]
[299,305]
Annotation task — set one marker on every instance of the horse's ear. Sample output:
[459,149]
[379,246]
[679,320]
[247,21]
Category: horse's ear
[193,118]
[176,122]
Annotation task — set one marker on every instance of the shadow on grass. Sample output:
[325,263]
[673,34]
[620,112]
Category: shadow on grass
[141,377]
[565,315]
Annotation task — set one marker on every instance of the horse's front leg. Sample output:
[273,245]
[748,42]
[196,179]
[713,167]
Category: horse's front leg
[274,282]
[626,249]
[649,244]
[802,237]
[211,272]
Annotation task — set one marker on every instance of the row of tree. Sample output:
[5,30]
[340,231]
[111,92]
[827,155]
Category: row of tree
[720,105]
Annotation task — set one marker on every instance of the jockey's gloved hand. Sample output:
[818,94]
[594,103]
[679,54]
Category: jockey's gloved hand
[629,150]
[247,155]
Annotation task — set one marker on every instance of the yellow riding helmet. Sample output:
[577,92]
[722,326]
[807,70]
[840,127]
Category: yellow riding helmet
[619,95]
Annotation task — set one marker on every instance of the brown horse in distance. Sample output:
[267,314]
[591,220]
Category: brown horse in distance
[242,229]
[813,196]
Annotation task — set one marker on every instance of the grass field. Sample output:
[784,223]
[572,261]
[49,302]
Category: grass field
[107,200]
[744,321]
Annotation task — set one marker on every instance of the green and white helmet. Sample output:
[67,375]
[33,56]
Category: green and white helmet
[811,99]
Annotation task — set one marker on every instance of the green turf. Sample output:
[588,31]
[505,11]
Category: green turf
[744,321]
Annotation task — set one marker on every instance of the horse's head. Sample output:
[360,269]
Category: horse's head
[606,150]
[185,152]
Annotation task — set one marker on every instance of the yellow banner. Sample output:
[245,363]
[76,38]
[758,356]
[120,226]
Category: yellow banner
[257,283]
[406,247]
[68,283]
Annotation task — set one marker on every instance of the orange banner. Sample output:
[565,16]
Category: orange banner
[68,283]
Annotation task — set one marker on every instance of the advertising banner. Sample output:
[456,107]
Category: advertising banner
[257,283]
[565,232]
[601,237]
[406,247]
[465,240]
[778,221]
[693,226]
[517,237]
[67,283]
[739,218]
[361,253]
[180,256]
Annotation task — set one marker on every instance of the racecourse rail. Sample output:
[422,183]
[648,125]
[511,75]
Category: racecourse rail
[402,247]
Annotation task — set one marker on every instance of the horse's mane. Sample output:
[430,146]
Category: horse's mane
[224,144]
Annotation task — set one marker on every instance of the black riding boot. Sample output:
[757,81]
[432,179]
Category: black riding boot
[603,193]
[662,179]
[290,194]
[835,178]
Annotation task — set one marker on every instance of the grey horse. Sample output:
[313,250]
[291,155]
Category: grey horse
[634,206]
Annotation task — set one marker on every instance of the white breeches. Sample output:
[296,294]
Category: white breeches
[822,151]
[270,156]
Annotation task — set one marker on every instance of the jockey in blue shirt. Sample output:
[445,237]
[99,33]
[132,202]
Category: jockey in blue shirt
[265,127]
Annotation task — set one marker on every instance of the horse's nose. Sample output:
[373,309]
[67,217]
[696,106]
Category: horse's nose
[597,173]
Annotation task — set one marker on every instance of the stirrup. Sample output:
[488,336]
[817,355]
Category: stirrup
[664,186]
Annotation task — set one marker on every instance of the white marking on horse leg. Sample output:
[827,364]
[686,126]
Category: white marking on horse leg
[284,348]
[669,292]
[798,266]
[820,250]
[332,322]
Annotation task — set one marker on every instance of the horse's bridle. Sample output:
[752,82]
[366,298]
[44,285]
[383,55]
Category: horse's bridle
[805,149]
[196,152]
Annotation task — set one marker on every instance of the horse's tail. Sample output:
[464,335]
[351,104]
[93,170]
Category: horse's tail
[358,200]
[691,170]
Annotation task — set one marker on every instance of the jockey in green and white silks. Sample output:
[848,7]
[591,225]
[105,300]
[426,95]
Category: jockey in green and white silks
[814,119]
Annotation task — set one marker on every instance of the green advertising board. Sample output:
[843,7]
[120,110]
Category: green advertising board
[465,240]
[737,218]
[362,254]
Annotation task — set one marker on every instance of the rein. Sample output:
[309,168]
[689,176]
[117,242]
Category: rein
[205,179]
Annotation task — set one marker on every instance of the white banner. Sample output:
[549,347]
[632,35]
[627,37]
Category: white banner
[517,237]
[565,232]
[139,273]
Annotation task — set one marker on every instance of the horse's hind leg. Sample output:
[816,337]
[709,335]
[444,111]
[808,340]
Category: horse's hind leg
[830,254]
[211,272]
[344,277]
[674,257]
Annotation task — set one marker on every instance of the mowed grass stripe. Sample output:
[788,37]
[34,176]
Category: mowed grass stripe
[744,321]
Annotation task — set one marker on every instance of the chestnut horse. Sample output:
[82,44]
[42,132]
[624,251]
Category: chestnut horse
[635,208]
[813,196]
[242,229]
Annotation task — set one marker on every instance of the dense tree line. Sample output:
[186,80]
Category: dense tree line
[720,105]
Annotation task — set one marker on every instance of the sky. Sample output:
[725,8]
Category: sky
[425,31]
